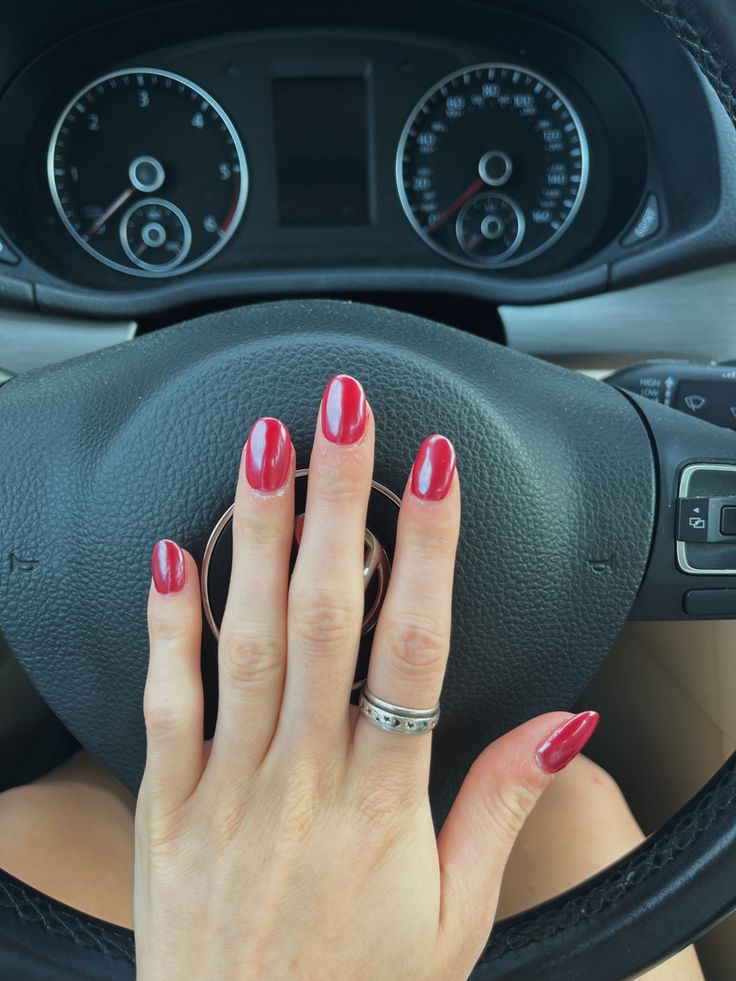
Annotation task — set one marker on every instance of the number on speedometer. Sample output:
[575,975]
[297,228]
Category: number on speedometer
[492,165]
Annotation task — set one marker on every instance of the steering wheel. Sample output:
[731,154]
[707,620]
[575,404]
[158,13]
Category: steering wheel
[569,514]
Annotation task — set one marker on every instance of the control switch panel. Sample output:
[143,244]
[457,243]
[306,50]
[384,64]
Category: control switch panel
[706,519]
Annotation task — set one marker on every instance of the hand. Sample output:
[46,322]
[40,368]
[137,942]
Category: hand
[299,843]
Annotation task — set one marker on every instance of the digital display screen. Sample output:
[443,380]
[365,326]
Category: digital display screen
[321,150]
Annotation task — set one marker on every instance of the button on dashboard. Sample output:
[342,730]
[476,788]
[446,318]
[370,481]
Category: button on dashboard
[728,521]
[710,602]
[646,225]
[7,255]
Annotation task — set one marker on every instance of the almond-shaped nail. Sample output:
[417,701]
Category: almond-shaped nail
[168,567]
[344,412]
[433,470]
[268,455]
[563,745]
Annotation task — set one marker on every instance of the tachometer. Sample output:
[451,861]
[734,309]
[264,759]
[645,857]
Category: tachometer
[492,165]
[147,172]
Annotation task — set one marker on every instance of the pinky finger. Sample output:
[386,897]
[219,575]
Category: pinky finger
[173,702]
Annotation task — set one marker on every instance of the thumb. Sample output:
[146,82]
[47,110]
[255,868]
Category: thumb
[496,797]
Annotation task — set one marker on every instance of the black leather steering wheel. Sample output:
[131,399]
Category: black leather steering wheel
[569,511]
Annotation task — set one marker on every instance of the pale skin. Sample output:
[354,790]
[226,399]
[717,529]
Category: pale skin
[299,842]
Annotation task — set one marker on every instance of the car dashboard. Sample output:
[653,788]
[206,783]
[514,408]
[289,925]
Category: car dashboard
[176,159]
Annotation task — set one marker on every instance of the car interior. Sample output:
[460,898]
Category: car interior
[522,211]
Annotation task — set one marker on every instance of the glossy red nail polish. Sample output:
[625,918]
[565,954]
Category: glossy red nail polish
[564,744]
[433,469]
[168,567]
[268,455]
[344,412]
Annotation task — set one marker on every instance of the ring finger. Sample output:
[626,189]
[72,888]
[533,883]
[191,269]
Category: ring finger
[413,633]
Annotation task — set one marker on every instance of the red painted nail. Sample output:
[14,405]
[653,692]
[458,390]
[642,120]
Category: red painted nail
[564,744]
[431,475]
[268,455]
[343,410]
[167,567]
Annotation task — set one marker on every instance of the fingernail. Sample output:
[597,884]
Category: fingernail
[167,567]
[343,410]
[268,455]
[431,475]
[564,744]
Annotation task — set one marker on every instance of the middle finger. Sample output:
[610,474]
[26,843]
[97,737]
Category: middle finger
[326,597]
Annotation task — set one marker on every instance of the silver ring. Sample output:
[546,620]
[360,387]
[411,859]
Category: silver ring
[397,718]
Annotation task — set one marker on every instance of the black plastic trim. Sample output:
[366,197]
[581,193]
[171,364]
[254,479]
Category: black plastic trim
[678,440]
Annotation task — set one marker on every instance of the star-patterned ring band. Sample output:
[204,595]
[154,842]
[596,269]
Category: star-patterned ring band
[397,718]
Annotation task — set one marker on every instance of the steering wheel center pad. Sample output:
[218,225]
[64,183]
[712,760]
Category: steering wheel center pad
[112,451]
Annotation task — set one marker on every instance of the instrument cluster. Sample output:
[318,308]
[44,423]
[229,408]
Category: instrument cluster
[148,173]
[265,163]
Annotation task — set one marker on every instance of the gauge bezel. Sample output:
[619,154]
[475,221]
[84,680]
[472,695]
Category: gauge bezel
[493,192]
[176,211]
[584,165]
[239,149]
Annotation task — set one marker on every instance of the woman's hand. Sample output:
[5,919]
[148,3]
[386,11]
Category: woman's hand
[299,843]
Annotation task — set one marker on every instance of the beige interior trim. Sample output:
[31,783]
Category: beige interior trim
[692,316]
[666,698]
[33,340]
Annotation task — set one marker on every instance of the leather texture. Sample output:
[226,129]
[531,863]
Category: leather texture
[112,451]
[41,939]
[621,921]
[142,441]
[707,31]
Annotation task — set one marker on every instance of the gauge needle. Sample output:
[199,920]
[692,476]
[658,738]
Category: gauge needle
[457,203]
[109,212]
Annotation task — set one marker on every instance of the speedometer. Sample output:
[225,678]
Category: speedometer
[147,172]
[492,165]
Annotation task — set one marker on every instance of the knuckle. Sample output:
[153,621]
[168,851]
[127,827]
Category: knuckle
[298,816]
[382,800]
[165,714]
[324,617]
[158,831]
[231,809]
[302,799]
[434,542]
[169,627]
[249,654]
[384,809]
[259,528]
[509,809]
[341,488]
[418,647]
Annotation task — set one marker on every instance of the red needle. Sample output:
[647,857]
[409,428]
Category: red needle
[117,203]
[452,208]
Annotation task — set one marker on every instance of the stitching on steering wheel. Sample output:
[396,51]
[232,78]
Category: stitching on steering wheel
[610,888]
[692,38]
[54,917]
